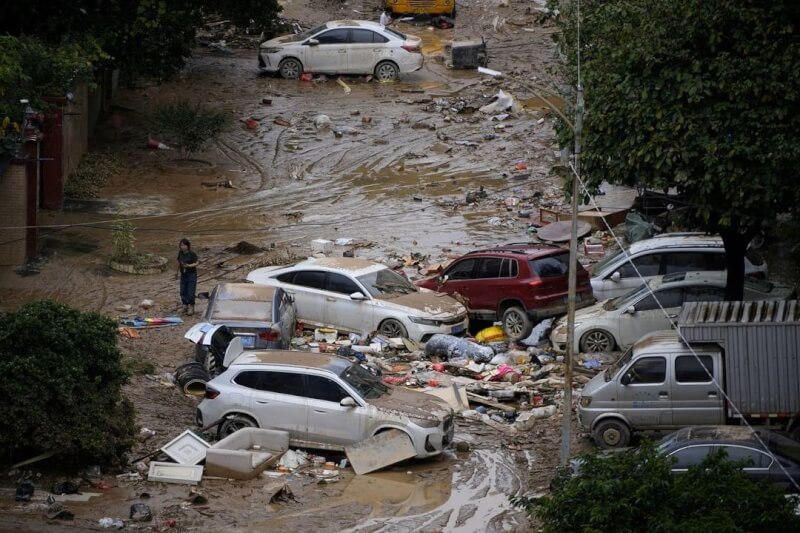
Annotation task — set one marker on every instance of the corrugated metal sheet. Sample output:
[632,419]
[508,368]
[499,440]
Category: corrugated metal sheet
[761,340]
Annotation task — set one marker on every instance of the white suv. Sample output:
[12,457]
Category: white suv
[669,253]
[323,401]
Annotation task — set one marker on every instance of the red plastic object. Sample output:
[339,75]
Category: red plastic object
[251,124]
[439,367]
[433,383]
[306,76]
[394,380]
[521,166]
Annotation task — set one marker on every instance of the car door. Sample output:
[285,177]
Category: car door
[696,400]
[756,462]
[644,393]
[277,401]
[343,312]
[307,288]
[487,283]
[459,278]
[648,316]
[648,265]
[330,54]
[328,421]
[689,456]
[365,50]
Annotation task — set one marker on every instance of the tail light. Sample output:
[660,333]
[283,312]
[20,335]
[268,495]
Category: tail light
[269,336]
[211,393]
[534,283]
[413,48]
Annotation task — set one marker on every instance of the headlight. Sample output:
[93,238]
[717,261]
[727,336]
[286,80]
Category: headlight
[270,50]
[586,401]
[425,321]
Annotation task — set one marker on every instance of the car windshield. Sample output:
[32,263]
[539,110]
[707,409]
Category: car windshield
[302,36]
[598,267]
[367,385]
[626,299]
[386,281]
[614,369]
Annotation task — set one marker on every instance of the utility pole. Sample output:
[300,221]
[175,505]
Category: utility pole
[566,422]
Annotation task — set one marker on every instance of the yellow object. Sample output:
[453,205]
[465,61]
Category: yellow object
[415,7]
[491,334]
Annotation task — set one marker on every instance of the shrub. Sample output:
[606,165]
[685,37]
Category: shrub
[634,491]
[61,387]
[91,175]
[190,126]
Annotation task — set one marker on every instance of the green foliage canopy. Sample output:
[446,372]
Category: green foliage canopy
[61,387]
[633,491]
[703,95]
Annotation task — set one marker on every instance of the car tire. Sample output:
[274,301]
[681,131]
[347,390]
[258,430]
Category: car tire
[235,423]
[611,434]
[392,328]
[210,362]
[290,69]
[597,341]
[387,71]
[517,324]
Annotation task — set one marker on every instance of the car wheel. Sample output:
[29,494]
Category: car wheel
[392,328]
[516,323]
[291,69]
[611,434]
[387,71]
[234,424]
[596,341]
[210,362]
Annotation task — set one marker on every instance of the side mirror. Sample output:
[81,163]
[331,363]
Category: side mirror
[441,280]
[347,402]
[615,277]
[625,380]
[630,310]
[358,297]
[312,42]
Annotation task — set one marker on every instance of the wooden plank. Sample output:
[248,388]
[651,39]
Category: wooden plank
[476,398]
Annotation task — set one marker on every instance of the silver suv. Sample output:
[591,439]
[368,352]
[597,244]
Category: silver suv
[323,401]
[669,253]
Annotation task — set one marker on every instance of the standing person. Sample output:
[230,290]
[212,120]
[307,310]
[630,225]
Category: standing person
[187,269]
[386,17]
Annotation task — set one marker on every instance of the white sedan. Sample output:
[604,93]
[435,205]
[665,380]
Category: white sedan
[343,47]
[360,296]
[622,321]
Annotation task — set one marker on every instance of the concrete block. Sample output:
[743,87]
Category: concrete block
[321,246]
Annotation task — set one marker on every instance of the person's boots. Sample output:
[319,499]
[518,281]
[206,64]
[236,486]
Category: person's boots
[191,310]
[185,309]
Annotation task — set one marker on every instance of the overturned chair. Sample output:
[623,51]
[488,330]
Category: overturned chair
[246,453]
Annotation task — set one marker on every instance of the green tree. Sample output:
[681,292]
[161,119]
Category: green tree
[633,491]
[61,387]
[703,95]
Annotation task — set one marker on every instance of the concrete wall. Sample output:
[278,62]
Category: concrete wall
[13,212]
[76,129]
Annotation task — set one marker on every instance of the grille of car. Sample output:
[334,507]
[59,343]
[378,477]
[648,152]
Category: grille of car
[454,320]
[422,3]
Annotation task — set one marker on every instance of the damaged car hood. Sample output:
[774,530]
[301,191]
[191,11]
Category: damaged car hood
[413,404]
[434,304]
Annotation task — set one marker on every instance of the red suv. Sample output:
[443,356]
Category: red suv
[519,283]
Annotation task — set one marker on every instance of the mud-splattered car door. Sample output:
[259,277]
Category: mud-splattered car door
[329,422]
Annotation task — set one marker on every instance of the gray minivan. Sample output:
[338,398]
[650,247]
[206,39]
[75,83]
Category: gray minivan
[658,384]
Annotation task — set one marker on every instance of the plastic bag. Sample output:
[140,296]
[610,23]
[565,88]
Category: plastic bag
[638,227]
[457,350]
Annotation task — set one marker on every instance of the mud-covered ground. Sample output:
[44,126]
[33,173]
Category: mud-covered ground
[395,180]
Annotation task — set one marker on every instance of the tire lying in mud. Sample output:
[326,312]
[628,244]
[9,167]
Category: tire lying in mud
[192,378]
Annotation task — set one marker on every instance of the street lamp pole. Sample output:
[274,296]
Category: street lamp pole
[566,422]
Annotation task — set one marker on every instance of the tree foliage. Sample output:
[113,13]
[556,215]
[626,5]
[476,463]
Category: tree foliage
[61,387]
[190,126]
[633,491]
[703,95]
[143,37]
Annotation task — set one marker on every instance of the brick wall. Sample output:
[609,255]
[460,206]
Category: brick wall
[13,212]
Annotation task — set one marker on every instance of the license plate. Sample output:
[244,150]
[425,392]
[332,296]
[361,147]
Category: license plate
[248,341]
[457,329]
